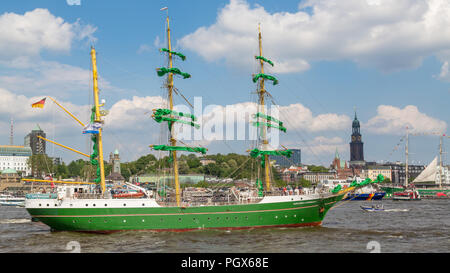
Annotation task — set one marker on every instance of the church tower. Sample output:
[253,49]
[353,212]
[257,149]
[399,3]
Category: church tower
[356,145]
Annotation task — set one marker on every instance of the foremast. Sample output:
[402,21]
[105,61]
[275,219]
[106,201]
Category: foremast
[264,120]
[97,137]
[170,116]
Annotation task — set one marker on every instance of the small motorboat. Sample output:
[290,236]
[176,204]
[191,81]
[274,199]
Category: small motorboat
[406,195]
[373,208]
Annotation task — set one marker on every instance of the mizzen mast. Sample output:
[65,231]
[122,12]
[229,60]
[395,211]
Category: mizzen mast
[263,120]
[261,94]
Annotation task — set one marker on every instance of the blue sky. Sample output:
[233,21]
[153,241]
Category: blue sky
[390,65]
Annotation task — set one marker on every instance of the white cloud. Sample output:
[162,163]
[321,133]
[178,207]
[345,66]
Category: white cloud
[31,33]
[52,78]
[394,120]
[389,35]
[301,118]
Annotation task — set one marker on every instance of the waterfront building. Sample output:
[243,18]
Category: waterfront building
[374,171]
[10,181]
[398,172]
[115,176]
[15,158]
[316,177]
[294,160]
[343,171]
[31,140]
[205,161]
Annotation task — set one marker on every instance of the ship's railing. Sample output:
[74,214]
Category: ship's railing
[200,204]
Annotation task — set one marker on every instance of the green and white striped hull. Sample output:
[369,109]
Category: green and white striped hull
[110,215]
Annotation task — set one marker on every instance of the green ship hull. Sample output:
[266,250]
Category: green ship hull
[241,216]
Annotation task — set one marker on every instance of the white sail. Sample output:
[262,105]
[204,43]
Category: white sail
[429,174]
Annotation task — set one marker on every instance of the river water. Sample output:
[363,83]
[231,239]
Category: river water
[405,226]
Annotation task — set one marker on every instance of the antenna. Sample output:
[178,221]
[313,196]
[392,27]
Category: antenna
[11,137]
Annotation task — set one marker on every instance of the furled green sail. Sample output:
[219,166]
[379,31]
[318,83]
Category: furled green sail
[379,179]
[160,119]
[174,53]
[257,124]
[269,118]
[264,59]
[256,152]
[163,71]
[160,115]
[259,186]
[95,153]
[265,76]
[179,148]
[164,112]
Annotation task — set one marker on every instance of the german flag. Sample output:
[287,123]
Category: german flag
[39,104]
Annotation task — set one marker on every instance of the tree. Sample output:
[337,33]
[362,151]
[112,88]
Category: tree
[40,164]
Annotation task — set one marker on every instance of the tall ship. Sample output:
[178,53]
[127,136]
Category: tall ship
[92,207]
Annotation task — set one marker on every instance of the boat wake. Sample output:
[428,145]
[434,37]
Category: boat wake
[396,210]
[14,221]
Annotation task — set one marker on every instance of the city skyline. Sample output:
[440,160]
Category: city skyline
[393,83]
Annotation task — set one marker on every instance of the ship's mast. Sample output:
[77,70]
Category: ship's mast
[173,141]
[406,161]
[440,162]
[261,94]
[98,119]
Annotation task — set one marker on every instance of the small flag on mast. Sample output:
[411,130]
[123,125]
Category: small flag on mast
[39,104]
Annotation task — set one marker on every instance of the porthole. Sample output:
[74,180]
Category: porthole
[56,205]
[48,205]
[179,219]
[93,205]
[106,205]
[143,204]
[124,221]
[124,205]
[40,205]
[86,205]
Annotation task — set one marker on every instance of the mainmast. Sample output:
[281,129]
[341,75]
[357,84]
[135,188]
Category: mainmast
[261,94]
[170,116]
[98,120]
[173,141]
